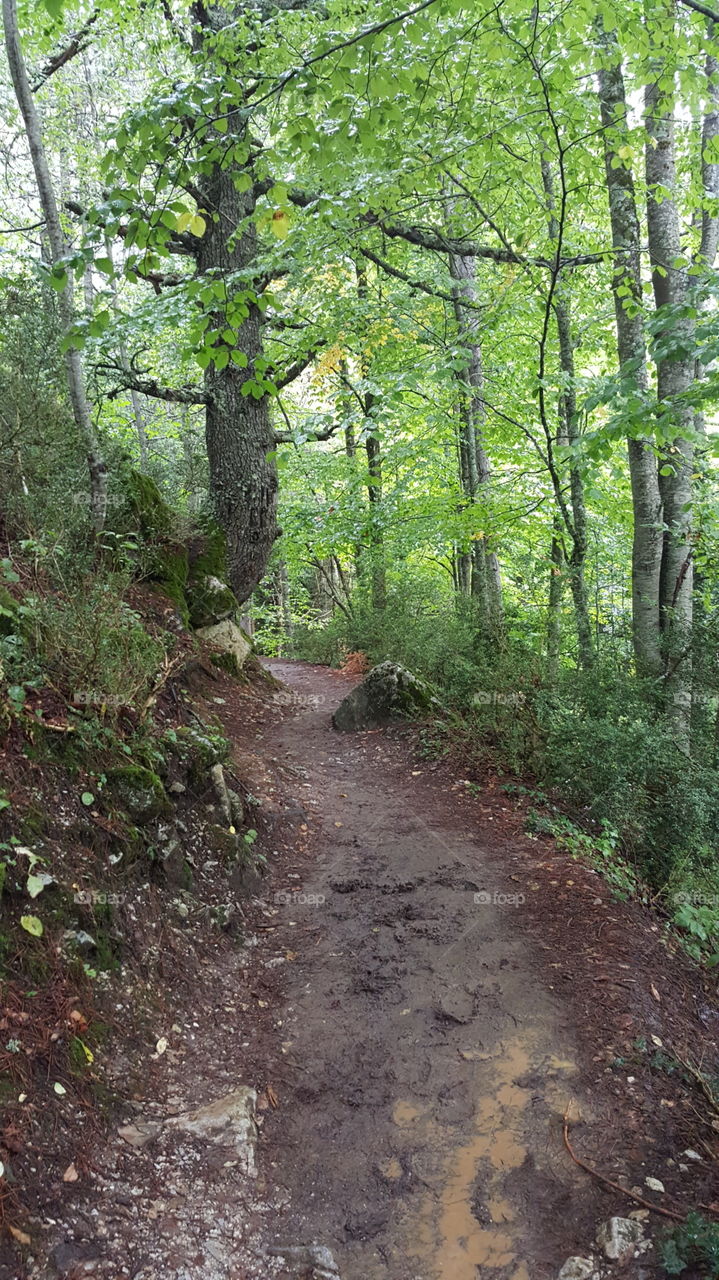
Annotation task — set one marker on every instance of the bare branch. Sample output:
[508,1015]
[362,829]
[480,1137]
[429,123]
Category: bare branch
[77,44]
[150,387]
[414,284]
[294,370]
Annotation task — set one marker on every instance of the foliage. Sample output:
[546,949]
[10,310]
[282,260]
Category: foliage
[694,1243]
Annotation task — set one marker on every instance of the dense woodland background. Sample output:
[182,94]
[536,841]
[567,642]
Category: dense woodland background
[419,309]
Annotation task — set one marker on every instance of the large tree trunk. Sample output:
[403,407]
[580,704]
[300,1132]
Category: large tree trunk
[675,374]
[239,433]
[631,349]
[58,248]
[476,472]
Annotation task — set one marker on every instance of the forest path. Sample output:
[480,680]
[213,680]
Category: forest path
[422,1135]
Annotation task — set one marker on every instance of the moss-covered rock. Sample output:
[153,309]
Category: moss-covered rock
[210,600]
[389,692]
[209,597]
[163,557]
[152,516]
[229,641]
[139,792]
[168,567]
[196,751]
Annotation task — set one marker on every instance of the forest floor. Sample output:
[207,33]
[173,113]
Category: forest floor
[424,993]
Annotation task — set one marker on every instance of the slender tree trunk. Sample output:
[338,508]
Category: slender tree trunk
[283,588]
[675,375]
[570,434]
[373,450]
[475,468]
[554,605]
[58,249]
[632,353]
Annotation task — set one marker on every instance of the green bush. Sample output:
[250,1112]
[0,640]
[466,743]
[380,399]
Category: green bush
[92,644]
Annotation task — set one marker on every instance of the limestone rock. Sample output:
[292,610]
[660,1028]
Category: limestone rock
[389,692]
[210,600]
[579,1269]
[230,642]
[139,791]
[229,1121]
[619,1237]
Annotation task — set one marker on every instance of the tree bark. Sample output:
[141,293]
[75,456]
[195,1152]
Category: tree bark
[475,468]
[632,354]
[569,434]
[58,249]
[675,375]
[238,428]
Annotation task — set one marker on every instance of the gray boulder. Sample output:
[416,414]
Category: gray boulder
[389,692]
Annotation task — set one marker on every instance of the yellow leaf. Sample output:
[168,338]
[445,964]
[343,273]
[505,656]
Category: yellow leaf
[184,221]
[280,224]
[88,1052]
[198,226]
[21,1236]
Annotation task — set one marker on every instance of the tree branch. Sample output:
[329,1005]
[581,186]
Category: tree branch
[470,249]
[294,370]
[150,387]
[702,8]
[415,284]
[76,45]
[289,437]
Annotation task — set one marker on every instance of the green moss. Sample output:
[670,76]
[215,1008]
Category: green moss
[208,554]
[210,600]
[139,792]
[227,662]
[208,595]
[153,517]
[10,623]
[196,751]
[168,567]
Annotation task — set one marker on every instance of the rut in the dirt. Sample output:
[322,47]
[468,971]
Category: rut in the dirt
[423,1135]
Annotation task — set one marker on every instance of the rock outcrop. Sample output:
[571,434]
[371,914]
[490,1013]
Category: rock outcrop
[390,692]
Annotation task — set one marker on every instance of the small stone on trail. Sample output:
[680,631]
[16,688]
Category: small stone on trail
[579,1269]
[618,1237]
[138,1135]
[230,1120]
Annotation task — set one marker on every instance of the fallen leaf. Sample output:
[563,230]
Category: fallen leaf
[656,995]
[71,1174]
[272,1097]
[21,1236]
[32,925]
[161,1046]
[60,1089]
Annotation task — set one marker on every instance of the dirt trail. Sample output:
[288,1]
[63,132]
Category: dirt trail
[416,990]
[422,1140]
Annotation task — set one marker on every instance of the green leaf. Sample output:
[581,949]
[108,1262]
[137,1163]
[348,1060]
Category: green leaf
[87,798]
[32,925]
